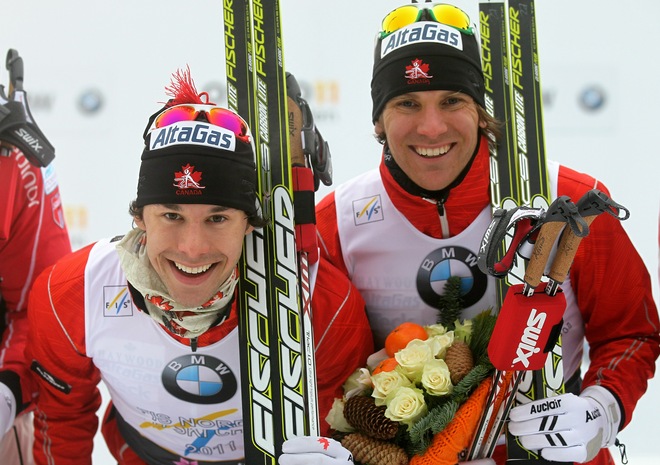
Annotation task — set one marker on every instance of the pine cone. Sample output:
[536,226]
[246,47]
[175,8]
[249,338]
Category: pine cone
[374,451]
[459,360]
[362,414]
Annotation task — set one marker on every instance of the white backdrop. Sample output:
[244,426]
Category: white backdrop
[120,54]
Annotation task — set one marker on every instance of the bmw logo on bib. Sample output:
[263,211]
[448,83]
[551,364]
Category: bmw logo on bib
[441,264]
[200,379]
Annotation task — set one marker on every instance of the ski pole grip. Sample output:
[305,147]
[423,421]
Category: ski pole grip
[546,238]
[592,204]
[552,223]
[566,250]
[295,133]
[14,65]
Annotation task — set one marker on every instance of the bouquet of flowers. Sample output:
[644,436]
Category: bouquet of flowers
[419,400]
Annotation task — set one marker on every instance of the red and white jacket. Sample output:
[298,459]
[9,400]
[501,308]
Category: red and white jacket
[390,243]
[33,235]
[178,405]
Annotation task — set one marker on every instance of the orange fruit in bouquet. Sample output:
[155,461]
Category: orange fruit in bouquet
[401,335]
[386,365]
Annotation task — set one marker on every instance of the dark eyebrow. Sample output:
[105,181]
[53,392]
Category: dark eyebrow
[177,207]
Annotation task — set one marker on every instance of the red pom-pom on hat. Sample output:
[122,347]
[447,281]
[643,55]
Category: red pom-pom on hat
[182,89]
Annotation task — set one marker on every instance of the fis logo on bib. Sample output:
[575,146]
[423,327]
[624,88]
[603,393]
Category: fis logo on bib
[367,210]
[117,301]
[193,132]
[421,32]
[200,379]
[441,264]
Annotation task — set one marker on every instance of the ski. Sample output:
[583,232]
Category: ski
[276,372]
[535,188]
[504,195]
[518,178]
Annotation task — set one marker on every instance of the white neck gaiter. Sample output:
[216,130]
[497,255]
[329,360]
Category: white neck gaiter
[185,322]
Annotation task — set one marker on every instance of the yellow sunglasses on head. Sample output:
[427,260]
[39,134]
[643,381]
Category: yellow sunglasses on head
[442,13]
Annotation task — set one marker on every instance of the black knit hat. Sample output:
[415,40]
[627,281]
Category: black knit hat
[197,162]
[425,55]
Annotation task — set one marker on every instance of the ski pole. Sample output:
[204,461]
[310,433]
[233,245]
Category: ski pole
[304,186]
[590,205]
[14,65]
[17,126]
[506,234]
[528,326]
[561,213]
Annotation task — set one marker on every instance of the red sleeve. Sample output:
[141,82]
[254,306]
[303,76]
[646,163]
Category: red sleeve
[613,289]
[37,237]
[65,415]
[342,334]
[326,226]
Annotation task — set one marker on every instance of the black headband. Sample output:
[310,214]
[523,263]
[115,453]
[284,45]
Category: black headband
[425,56]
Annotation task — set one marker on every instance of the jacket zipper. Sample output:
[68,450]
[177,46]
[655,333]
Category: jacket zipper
[442,213]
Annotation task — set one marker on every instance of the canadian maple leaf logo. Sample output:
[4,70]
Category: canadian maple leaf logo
[214,299]
[160,302]
[418,70]
[188,178]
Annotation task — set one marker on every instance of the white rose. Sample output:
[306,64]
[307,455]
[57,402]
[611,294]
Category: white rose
[357,383]
[435,330]
[336,418]
[387,382]
[412,359]
[436,378]
[406,406]
[439,344]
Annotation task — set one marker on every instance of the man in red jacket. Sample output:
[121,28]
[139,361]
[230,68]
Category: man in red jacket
[399,230]
[153,313]
[33,235]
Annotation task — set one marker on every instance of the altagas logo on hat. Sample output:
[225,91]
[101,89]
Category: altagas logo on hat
[418,72]
[195,133]
[188,181]
[423,32]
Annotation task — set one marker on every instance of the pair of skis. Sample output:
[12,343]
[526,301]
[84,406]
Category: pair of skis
[520,185]
[519,178]
[275,332]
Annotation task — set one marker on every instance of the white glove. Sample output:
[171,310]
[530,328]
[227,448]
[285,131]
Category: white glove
[568,428]
[306,450]
[7,409]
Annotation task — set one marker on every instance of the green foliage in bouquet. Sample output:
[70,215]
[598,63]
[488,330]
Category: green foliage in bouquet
[442,409]
[450,303]
[408,404]
[482,328]
[420,435]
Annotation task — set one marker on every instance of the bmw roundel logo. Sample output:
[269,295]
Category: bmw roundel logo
[441,264]
[200,379]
